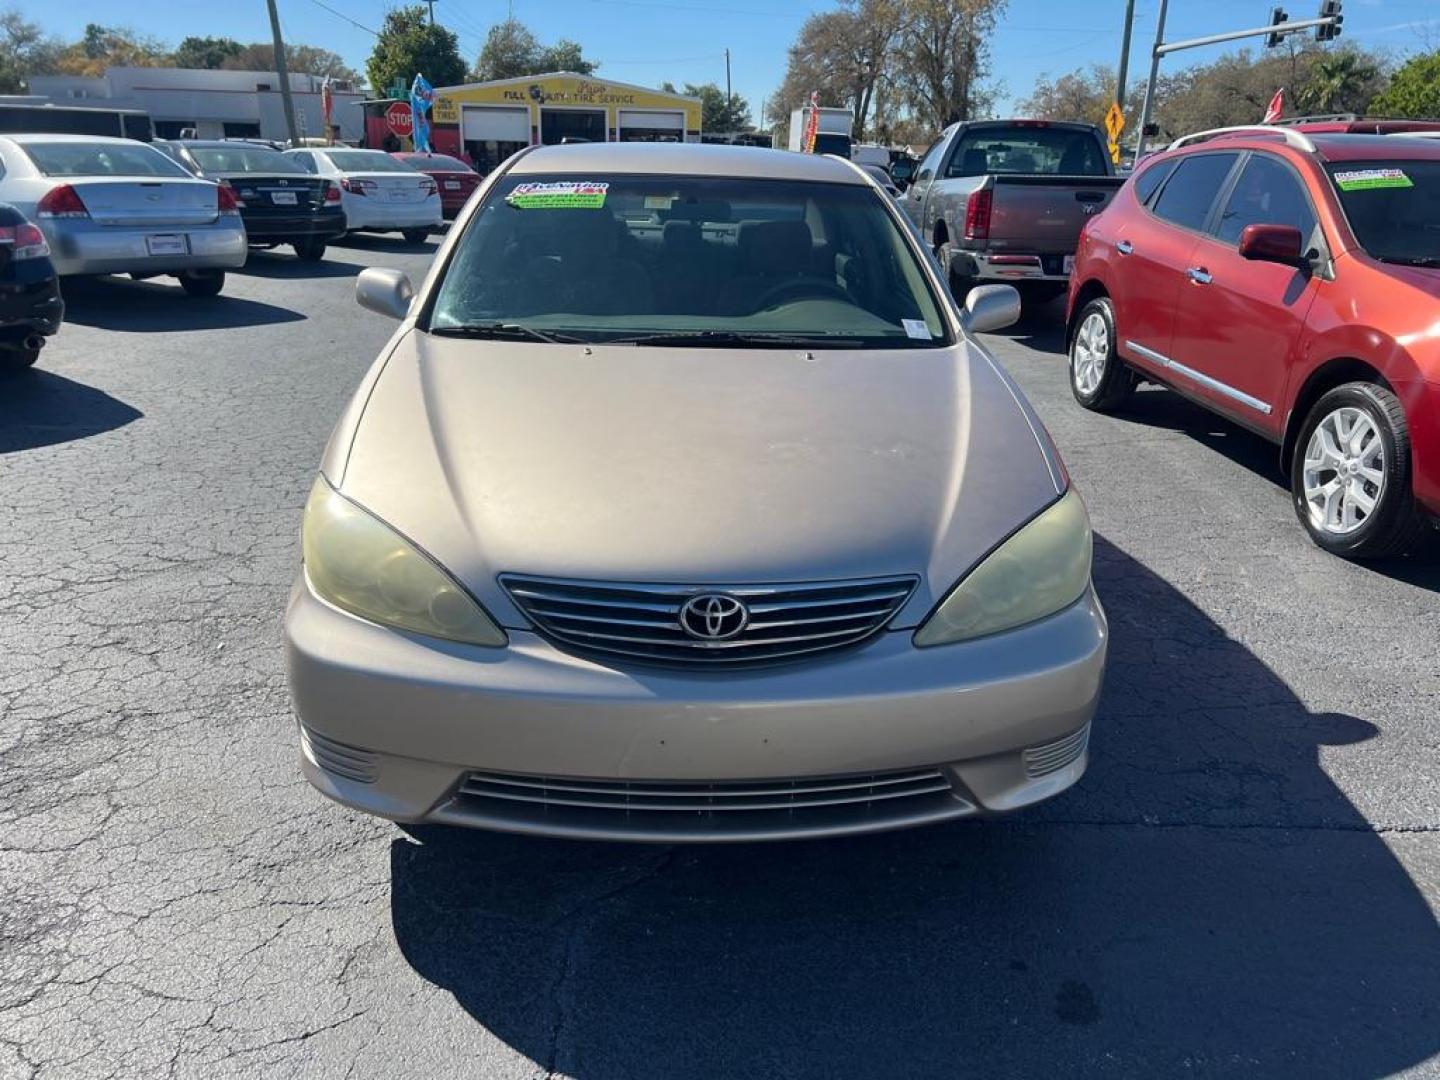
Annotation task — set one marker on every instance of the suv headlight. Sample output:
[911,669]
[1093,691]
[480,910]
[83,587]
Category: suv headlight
[1042,569]
[357,562]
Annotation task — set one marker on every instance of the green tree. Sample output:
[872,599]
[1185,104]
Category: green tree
[306,59]
[1414,89]
[24,51]
[716,114]
[102,47]
[1343,81]
[512,51]
[409,45]
[206,52]
[1080,95]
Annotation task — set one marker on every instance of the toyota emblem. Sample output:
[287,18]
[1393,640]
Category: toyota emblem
[713,617]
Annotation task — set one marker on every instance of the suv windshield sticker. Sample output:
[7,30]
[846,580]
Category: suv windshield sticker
[564,194]
[1365,179]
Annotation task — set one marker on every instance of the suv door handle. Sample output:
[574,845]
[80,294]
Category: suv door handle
[1124,247]
[1199,275]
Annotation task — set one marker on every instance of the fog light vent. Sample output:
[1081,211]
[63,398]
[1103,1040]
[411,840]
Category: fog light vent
[348,761]
[1053,756]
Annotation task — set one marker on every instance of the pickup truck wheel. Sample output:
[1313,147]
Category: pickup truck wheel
[1099,379]
[1350,478]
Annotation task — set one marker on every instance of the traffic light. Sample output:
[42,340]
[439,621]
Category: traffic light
[1329,9]
[1277,16]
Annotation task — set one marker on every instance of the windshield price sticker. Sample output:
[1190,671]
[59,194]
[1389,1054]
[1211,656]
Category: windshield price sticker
[916,328]
[1365,179]
[559,195]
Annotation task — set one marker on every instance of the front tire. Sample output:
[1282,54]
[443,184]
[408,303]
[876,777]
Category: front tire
[1099,379]
[202,282]
[1350,477]
[310,250]
[14,361]
[414,236]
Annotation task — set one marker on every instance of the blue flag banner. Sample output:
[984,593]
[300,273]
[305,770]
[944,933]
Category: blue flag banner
[422,96]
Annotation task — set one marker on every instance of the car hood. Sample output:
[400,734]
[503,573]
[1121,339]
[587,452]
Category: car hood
[703,466]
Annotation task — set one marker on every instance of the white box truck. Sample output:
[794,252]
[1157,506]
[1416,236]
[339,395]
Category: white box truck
[832,134]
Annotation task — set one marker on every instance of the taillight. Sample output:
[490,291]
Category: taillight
[61,202]
[977,215]
[332,193]
[428,186]
[29,241]
[357,187]
[227,202]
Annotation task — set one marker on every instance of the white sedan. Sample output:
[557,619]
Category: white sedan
[117,206]
[378,193]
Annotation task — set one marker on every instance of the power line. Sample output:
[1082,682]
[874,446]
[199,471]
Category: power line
[347,18]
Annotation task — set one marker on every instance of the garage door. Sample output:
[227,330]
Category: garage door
[652,121]
[480,123]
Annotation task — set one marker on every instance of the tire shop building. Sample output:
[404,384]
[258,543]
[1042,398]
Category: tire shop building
[487,122]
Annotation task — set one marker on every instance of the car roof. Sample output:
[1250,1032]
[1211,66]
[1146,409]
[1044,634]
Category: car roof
[1372,147]
[218,144]
[23,137]
[687,159]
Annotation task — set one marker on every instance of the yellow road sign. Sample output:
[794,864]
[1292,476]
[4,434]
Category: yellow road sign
[1115,152]
[1114,122]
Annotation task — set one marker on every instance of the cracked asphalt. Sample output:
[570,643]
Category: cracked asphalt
[1245,884]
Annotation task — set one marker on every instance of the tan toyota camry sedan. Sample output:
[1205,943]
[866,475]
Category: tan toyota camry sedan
[684,505]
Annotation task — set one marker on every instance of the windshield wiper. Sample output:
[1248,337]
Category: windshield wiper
[736,337]
[1412,260]
[504,331]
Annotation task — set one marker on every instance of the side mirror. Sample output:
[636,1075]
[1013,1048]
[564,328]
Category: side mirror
[1272,243]
[991,307]
[385,292]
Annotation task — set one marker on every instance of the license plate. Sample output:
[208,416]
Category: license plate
[398,195]
[283,198]
[452,185]
[167,244]
[1069,264]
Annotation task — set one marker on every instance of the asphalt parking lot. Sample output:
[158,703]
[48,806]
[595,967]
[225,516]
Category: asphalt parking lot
[1246,883]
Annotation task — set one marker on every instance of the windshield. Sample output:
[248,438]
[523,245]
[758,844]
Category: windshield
[436,161]
[243,159]
[366,161]
[617,257]
[101,159]
[1393,207]
[1027,150]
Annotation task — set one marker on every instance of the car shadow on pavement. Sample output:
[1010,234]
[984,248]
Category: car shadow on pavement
[1207,901]
[38,408]
[271,264]
[112,303]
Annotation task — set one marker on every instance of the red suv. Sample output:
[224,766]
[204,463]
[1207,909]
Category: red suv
[1290,282]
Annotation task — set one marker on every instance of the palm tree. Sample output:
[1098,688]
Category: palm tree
[1338,82]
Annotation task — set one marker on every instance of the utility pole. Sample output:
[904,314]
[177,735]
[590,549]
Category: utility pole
[729,101]
[431,5]
[282,71]
[1124,54]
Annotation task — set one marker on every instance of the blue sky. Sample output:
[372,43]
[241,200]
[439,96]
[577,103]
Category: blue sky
[649,41]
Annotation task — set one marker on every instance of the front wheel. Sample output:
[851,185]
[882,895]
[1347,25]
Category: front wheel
[16,360]
[414,236]
[203,282]
[1350,477]
[1099,379]
[310,250]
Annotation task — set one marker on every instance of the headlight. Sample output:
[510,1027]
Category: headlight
[357,562]
[1040,570]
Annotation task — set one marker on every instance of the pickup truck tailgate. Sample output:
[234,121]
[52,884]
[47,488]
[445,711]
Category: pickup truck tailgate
[1044,214]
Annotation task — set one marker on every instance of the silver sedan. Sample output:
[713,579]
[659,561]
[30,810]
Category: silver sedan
[683,504]
[117,206]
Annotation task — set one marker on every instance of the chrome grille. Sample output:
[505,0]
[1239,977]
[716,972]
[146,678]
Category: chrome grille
[1054,756]
[699,810]
[643,620]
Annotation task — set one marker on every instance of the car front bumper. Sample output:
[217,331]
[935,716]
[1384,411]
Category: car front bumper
[87,247]
[412,728]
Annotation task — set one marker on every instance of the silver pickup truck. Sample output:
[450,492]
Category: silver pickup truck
[1003,201]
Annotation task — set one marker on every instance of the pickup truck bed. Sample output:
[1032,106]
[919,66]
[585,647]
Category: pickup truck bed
[1014,225]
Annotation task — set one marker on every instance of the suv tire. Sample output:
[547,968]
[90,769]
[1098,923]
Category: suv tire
[1099,379]
[1350,474]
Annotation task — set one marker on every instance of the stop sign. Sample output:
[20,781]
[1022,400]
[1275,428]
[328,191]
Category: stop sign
[399,118]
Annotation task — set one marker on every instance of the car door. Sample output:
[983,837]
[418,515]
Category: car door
[1154,254]
[1238,320]
[914,201]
